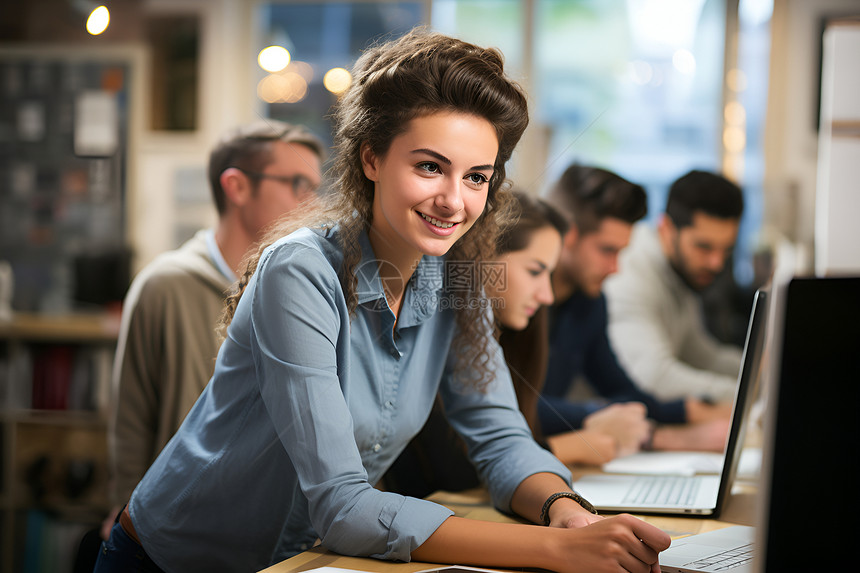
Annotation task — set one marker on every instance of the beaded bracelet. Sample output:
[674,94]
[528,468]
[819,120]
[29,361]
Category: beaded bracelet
[544,512]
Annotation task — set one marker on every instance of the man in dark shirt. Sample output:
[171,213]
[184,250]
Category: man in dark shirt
[601,208]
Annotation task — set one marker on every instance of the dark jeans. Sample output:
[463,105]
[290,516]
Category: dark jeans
[120,554]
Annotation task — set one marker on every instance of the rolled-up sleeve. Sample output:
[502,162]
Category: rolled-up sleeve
[300,345]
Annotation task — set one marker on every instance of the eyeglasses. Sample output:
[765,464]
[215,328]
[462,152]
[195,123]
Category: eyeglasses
[301,185]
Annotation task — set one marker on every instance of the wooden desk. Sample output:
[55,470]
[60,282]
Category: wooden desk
[475,504]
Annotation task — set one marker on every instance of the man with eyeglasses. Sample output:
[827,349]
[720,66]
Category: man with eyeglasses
[168,341]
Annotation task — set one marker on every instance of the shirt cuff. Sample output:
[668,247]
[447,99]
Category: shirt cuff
[410,526]
[673,412]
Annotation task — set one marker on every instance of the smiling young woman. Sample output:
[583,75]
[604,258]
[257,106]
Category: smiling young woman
[431,186]
[328,368]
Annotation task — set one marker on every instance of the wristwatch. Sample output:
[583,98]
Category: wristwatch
[544,512]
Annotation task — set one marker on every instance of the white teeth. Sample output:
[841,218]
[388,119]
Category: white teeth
[437,222]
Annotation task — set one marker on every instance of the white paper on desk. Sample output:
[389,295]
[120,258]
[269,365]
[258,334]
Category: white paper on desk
[457,569]
[666,463]
[749,465]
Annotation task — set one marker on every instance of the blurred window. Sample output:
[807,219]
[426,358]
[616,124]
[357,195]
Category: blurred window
[634,86]
[497,23]
[637,86]
[320,37]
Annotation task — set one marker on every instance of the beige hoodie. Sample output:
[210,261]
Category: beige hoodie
[165,356]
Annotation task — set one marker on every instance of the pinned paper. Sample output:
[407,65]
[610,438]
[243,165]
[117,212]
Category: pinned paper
[96,124]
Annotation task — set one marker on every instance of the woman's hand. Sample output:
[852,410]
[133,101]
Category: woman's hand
[619,543]
[566,513]
[575,519]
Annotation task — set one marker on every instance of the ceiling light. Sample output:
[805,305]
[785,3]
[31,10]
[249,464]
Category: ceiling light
[98,21]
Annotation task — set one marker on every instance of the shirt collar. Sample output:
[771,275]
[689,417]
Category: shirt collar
[216,256]
[421,298]
[424,291]
[368,285]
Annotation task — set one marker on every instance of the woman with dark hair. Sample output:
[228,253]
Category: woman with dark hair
[528,251]
[347,324]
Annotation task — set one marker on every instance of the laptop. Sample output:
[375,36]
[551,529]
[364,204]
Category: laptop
[728,549]
[702,495]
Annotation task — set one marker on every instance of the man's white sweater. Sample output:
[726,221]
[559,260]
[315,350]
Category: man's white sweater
[657,329]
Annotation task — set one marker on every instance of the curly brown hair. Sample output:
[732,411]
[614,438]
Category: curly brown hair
[419,74]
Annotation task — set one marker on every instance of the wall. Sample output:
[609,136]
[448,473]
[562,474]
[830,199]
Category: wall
[227,98]
[791,140]
[837,234]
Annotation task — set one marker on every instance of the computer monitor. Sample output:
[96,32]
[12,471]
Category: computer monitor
[809,483]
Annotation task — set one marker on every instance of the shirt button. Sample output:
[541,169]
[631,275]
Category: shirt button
[376,447]
[389,404]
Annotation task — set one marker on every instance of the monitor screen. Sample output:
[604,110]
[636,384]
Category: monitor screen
[810,490]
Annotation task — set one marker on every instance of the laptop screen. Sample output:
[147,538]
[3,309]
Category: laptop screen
[748,378]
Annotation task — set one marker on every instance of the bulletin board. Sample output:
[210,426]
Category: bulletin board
[63,153]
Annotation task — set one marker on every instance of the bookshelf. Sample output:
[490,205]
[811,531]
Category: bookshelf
[64,173]
[54,390]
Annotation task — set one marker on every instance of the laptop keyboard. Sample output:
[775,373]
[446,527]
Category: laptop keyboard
[725,560]
[663,490]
